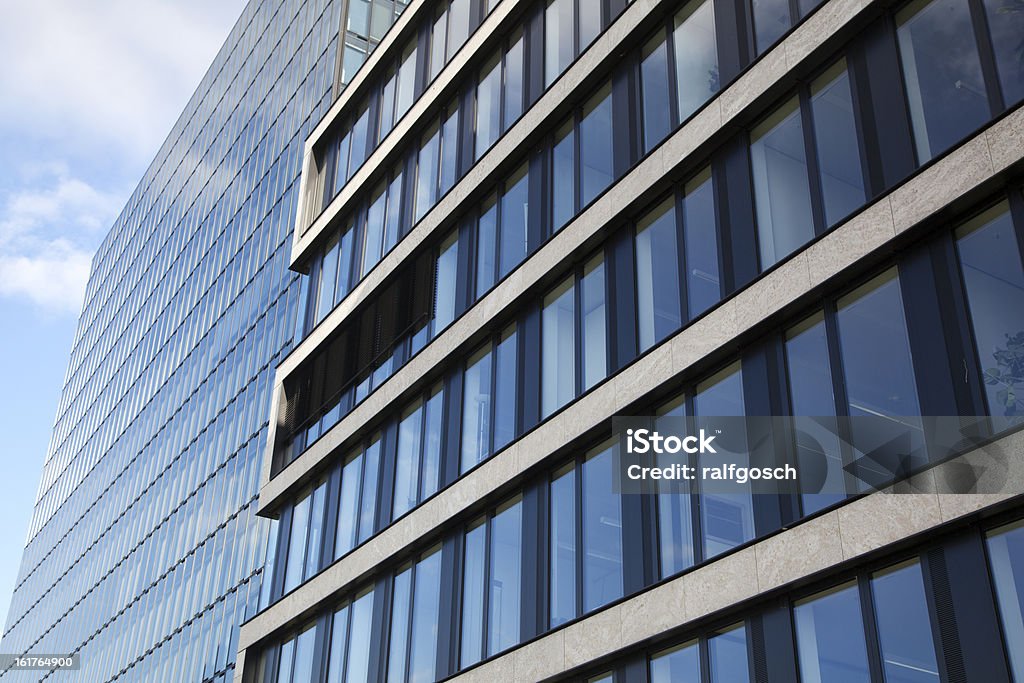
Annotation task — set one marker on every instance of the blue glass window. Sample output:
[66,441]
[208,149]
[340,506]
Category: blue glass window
[727,519]
[563,547]
[700,238]
[602,530]
[558,348]
[811,395]
[835,139]
[505,379]
[680,664]
[1006,26]
[942,71]
[727,656]
[993,276]
[1006,555]
[596,134]
[657,274]
[904,628]
[654,90]
[515,204]
[696,56]
[445,282]
[476,409]
[488,105]
[782,191]
[563,176]
[593,326]
[830,637]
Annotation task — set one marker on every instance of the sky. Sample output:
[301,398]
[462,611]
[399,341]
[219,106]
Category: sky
[88,92]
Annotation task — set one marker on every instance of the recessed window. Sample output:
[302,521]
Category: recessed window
[782,191]
[413,643]
[811,394]
[993,276]
[657,275]
[655,92]
[558,348]
[942,71]
[727,519]
[680,663]
[1006,557]
[1006,26]
[904,627]
[492,577]
[696,57]
[596,136]
[476,409]
[830,637]
[835,139]
[700,238]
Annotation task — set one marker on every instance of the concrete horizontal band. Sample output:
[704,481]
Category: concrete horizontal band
[579,234]
[491,31]
[969,168]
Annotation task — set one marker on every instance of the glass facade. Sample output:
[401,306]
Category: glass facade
[144,552]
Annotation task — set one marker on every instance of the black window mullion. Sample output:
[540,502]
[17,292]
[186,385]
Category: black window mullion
[986,52]
[284,532]
[673,86]
[450,464]
[348,630]
[321,651]
[794,13]
[1016,201]
[694,495]
[704,658]
[577,163]
[580,550]
[871,639]
[965,371]
[681,259]
[577,326]
[867,136]
[535,560]
[272,664]
[485,620]
[492,409]
[331,503]
[840,396]
[811,154]
[450,606]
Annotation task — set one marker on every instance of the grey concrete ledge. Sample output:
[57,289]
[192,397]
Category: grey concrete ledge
[647,175]
[810,549]
[872,230]
[933,189]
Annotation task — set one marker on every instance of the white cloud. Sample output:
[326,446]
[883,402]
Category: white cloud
[96,86]
[54,279]
[111,75]
[47,232]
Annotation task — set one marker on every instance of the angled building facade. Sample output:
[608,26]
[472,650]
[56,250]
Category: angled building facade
[144,553]
[525,217]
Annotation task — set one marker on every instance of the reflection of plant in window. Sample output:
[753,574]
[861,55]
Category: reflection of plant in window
[1009,373]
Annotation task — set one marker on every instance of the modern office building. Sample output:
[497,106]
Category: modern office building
[525,217]
[144,553]
[518,219]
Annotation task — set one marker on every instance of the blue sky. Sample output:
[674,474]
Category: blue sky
[88,92]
